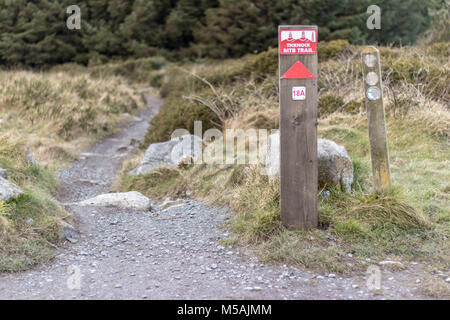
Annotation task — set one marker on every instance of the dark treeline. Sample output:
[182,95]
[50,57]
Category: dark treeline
[34,33]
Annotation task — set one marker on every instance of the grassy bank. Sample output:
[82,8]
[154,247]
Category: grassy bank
[55,115]
[410,223]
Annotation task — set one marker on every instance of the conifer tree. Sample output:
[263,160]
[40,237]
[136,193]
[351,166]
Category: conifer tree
[34,33]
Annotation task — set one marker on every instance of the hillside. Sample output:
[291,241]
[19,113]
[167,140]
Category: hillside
[55,116]
[34,35]
[412,223]
[58,113]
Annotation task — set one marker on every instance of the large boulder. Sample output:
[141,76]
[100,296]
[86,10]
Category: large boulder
[170,153]
[126,200]
[335,166]
[8,190]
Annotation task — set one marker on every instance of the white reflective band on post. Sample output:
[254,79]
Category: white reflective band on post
[373,93]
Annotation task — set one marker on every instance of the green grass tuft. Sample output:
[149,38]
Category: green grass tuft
[157,184]
[411,222]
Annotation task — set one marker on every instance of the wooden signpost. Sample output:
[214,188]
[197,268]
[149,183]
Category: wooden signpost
[298,126]
[375,114]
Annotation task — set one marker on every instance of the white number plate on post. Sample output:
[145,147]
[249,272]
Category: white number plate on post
[298,93]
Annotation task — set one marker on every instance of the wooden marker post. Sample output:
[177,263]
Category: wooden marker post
[298,126]
[375,114]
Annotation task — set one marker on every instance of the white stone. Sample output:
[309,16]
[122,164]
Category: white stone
[127,200]
[170,153]
[8,190]
[169,203]
[4,173]
[335,166]
[69,232]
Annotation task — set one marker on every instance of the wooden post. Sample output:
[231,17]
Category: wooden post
[375,114]
[298,126]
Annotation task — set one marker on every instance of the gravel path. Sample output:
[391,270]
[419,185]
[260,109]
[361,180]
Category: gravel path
[166,254]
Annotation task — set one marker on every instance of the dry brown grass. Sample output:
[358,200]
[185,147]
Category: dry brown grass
[410,223]
[56,115]
[435,288]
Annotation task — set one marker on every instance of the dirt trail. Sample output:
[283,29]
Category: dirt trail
[123,254]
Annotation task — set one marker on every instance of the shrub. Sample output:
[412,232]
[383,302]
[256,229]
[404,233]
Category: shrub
[29,223]
[328,104]
[135,70]
[69,106]
[440,49]
[157,184]
[354,106]
[400,106]
[374,216]
[178,113]
[263,64]
[332,49]
[430,78]
[156,80]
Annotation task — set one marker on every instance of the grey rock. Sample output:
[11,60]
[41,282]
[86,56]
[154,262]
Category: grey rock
[170,153]
[4,173]
[8,190]
[253,288]
[335,166]
[30,157]
[192,243]
[69,233]
[168,203]
[126,200]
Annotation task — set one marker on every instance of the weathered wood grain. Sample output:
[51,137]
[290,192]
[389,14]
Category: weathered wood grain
[298,144]
[377,127]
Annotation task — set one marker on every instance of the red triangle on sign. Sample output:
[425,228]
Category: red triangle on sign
[298,71]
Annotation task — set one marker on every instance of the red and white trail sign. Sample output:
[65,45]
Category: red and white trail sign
[298,71]
[298,93]
[298,41]
[299,179]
